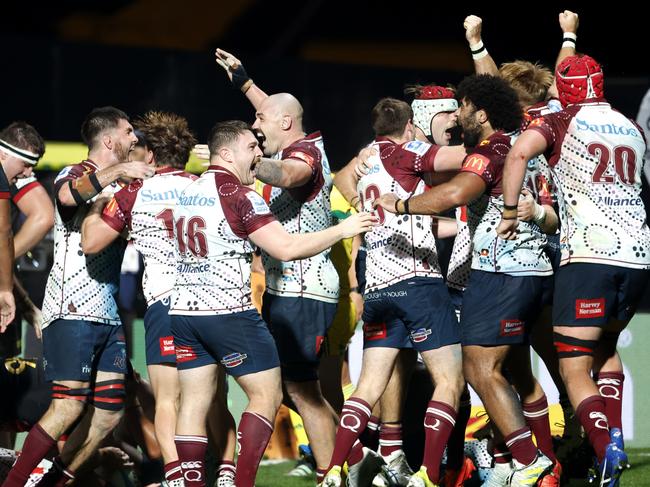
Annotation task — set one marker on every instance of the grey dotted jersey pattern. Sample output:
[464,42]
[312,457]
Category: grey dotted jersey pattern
[403,246]
[82,287]
[314,277]
[460,262]
[150,234]
[213,269]
[524,256]
[603,219]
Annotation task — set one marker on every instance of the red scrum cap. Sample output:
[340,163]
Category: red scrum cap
[579,78]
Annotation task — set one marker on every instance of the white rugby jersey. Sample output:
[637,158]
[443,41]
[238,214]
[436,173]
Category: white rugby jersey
[212,220]
[524,256]
[403,246]
[302,210]
[80,287]
[460,261]
[146,208]
[596,156]
[538,181]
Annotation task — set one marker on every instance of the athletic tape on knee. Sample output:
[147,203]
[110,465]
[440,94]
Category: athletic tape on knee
[60,391]
[567,346]
[109,395]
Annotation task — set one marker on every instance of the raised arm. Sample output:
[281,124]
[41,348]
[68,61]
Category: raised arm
[569,24]
[281,245]
[39,213]
[483,62]
[239,78]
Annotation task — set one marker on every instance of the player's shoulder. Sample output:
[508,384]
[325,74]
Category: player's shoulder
[416,147]
[495,146]
[305,149]
[76,170]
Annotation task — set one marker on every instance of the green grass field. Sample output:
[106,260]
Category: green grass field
[274,475]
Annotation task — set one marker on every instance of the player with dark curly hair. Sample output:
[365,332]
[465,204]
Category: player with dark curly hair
[505,283]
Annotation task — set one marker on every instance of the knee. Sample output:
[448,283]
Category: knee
[107,421]
[274,398]
[70,409]
[570,368]
[472,371]
[305,394]
[68,402]
[453,381]
[270,398]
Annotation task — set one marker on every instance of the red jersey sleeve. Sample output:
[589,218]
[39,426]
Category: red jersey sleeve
[117,213]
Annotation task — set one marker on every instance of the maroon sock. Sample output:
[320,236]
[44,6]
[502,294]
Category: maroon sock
[592,416]
[226,469]
[354,417]
[439,421]
[173,471]
[37,444]
[370,436]
[356,454]
[536,415]
[501,454]
[390,438]
[320,475]
[191,455]
[610,386]
[520,443]
[456,443]
[253,435]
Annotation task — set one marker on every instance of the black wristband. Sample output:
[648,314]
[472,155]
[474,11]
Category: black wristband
[569,39]
[354,289]
[75,194]
[478,51]
[406,206]
[509,217]
[509,207]
[239,77]
[95,182]
[396,210]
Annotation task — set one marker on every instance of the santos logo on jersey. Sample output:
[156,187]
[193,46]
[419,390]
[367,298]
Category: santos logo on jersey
[196,200]
[148,195]
[607,128]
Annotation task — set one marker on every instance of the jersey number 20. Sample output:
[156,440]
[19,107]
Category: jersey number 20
[624,163]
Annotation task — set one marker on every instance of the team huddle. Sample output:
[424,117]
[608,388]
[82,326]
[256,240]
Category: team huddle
[550,252]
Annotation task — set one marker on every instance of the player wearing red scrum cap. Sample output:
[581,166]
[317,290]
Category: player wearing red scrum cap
[595,153]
